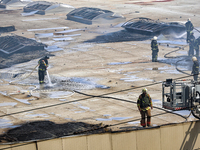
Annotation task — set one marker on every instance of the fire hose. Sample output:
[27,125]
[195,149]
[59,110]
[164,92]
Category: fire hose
[11,82]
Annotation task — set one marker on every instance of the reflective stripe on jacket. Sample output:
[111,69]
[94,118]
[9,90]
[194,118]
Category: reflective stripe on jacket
[144,101]
[154,45]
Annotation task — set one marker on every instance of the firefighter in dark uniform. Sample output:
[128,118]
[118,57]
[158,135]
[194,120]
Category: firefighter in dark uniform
[43,64]
[191,44]
[195,68]
[154,48]
[144,104]
[189,27]
[196,47]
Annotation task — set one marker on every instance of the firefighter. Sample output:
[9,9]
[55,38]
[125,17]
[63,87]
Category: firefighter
[191,44]
[43,64]
[196,47]
[144,104]
[154,48]
[195,68]
[189,27]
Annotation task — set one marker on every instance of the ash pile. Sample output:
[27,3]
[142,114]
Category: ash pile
[37,130]
[14,48]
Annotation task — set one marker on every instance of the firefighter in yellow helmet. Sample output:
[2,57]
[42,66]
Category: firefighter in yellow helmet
[144,104]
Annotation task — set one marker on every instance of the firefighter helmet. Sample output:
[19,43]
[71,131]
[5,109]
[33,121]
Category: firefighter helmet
[194,58]
[155,38]
[46,57]
[144,90]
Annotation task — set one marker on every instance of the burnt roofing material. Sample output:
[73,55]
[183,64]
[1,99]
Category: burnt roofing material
[11,44]
[149,26]
[37,130]
[87,15]
[7,29]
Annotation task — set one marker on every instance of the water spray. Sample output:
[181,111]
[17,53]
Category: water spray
[50,83]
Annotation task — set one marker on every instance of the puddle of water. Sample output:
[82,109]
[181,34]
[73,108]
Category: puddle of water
[75,103]
[68,31]
[25,101]
[172,42]
[131,78]
[184,113]
[83,107]
[38,115]
[56,28]
[69,119]
[43,35]
[120,118]
[136,122]
[59,94]
[166,69]
[119,63]
[62,100]
[40,19]
[67,35]
[3,93]
[6,124]
[8,104]
[62,44]
[79,111]
[63,39]
[157,103]
[89,82]
[171,72]
[113,118]
[102,119]
[183,52]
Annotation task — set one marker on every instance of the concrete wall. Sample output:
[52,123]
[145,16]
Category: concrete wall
[183,136]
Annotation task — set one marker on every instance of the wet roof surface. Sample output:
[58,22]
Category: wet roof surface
[88,62]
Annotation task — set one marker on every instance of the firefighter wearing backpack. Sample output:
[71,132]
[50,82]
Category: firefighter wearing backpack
[144,104]
[43,64]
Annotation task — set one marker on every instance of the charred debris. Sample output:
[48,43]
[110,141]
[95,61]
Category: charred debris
[37,130]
